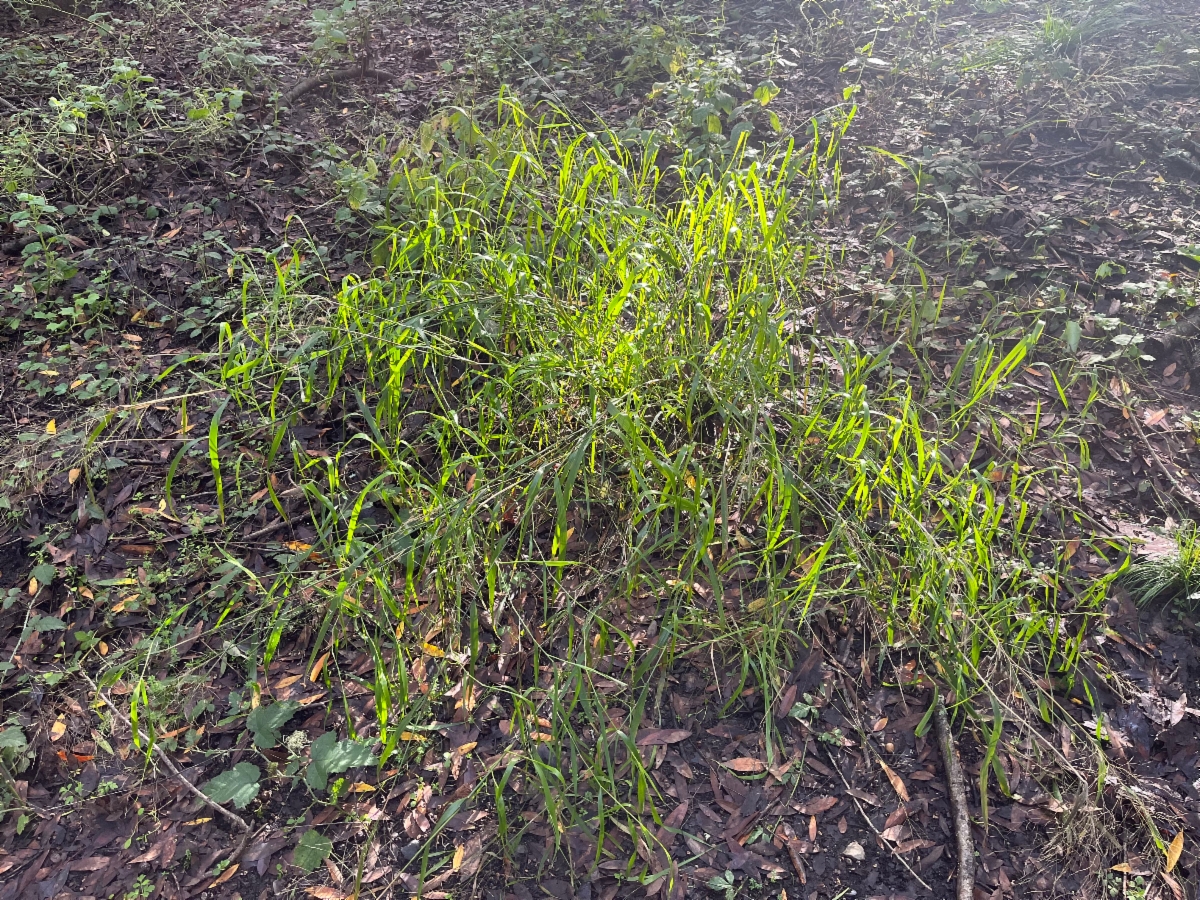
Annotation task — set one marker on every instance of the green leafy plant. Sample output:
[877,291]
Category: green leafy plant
[312,850]
[238,785]
[329,756]
[723,884]
[1173,575]
[711,109]
[265,721]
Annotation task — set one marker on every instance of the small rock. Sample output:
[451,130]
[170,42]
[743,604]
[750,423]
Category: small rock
[855,851]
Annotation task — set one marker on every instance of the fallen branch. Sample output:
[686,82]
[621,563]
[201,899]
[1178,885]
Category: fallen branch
[871,825]
[174,769]
[958,801]
[347,73]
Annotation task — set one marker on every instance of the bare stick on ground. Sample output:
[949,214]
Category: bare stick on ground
[347,73]
[958,801]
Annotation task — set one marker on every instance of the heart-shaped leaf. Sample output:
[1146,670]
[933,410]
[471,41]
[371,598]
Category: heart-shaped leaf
[239,785]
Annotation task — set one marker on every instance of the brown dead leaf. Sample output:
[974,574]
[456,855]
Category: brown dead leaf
[58,729]
[817,805]
[334,872]
[671,823]
[864,796]
[321,892]
[747,765]
[896,781]
[659,736]
[1178,708]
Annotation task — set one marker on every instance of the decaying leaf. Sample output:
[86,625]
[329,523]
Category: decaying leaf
[1174,851]
[747,765]
[896,781]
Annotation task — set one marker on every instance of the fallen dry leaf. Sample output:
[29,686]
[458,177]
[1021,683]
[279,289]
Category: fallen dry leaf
[896,781]
[224,876]
[318,666]
[1174,852]
[747,765]
[817,805]
[325,893]
[472,858]
[658,736]
[58,729]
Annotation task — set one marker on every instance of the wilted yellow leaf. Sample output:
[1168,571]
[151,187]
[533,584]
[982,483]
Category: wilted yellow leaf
[297,546]
[459,851]
[199,821]
[361,787]
[433,650]
[59,728]
[318,666]
[1174,851]
[224,876]
[73,476]
[52,426]
[412,736]
[33,587]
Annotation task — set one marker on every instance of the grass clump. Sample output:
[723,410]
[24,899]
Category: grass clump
[1171,576]
[587,414]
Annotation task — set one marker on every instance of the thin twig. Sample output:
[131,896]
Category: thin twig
[294,93]
[871,825]
[958,801]
[170,764]
[263,532]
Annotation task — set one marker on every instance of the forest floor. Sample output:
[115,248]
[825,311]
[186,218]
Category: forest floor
[471,449]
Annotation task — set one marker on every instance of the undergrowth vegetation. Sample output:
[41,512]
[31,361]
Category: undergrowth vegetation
[586,375]
[522,417]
